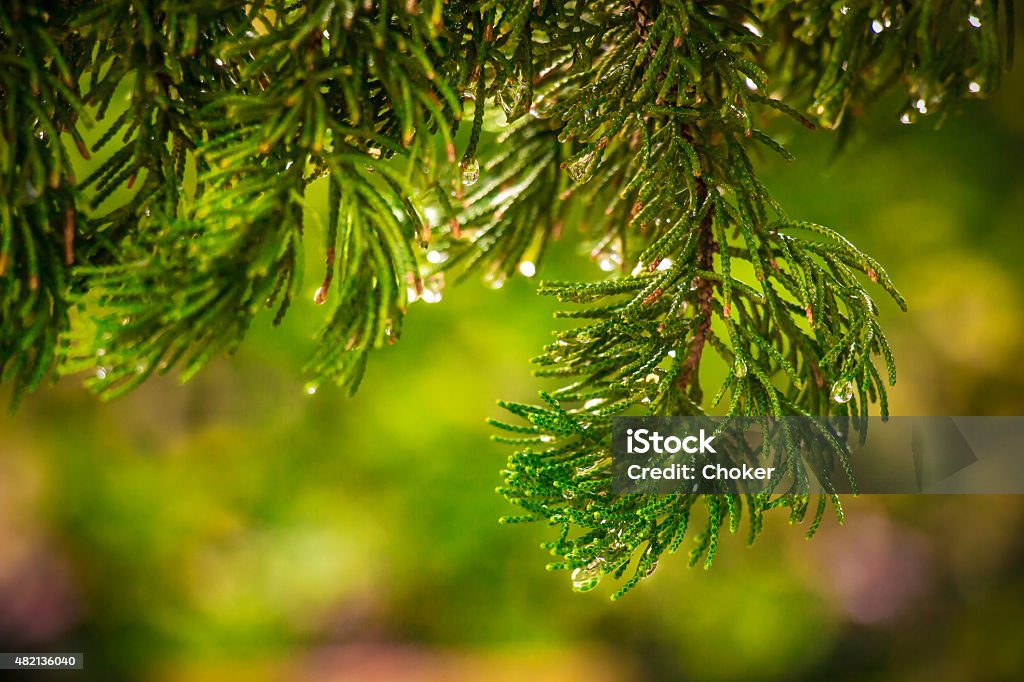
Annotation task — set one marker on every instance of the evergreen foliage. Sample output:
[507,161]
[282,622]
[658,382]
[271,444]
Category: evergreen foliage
[635,119]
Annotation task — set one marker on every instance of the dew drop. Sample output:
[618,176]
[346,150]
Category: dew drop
[470,169]
[587,577]
[436,257]
[652,566]
[433,286]
[842,391]
[527,268]
[750,26]
[510,98]
[739,368]
[494,280]
[320,297]
[665,264]
[974,86]
[974,21]
[542,107]
[609,261]
[310,388]
[877,26]
[592,403]
[578,168]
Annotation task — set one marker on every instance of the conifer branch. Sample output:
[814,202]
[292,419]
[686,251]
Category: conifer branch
[156,158]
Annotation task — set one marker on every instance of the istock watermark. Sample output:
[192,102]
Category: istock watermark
[685,455]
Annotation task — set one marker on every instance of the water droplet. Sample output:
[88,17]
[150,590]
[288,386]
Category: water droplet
[974,21]
[494,280]
[374,152]
[101,372]
[510,97]
[609,261]
[653,565]
[579,168]
[542,107]
[751,85]
[470,171]
[665,264]
[546,438]
[907,118]
[436,257]
[587,577]
[842,391]
[310,388]
[974,86]
[527,268]
[694,283]
[592,403]
[469,95]
[432,288]
[101,352]
[877,26]
[320,297]
[739,368]
[653,377]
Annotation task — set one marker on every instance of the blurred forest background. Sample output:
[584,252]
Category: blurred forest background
[238,528]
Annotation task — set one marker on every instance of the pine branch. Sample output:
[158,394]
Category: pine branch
[634,120]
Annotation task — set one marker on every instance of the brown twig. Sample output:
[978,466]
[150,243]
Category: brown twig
[706,247]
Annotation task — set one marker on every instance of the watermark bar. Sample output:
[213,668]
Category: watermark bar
[901,455]
[28,661]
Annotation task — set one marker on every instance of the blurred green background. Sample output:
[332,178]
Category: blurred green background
[238,528]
